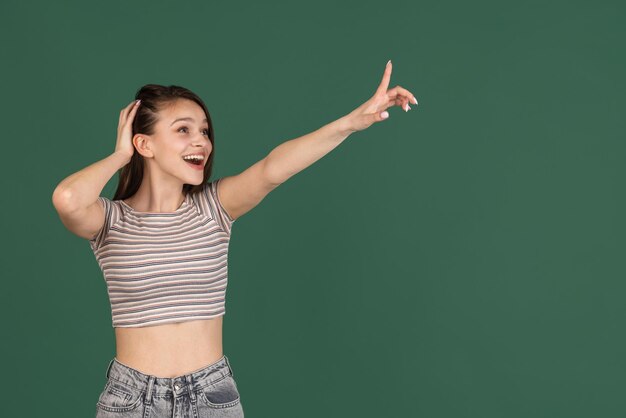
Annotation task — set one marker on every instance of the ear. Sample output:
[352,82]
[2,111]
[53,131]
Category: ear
[141,143]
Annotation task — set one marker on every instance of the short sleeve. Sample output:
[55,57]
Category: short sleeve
[211,197]
[110,215]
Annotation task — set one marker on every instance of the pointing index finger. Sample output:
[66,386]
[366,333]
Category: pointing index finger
[384,84]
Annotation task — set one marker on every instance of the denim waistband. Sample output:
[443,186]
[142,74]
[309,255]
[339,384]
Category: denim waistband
[173,386]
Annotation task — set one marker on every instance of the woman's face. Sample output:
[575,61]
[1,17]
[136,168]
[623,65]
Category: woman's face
[182,130]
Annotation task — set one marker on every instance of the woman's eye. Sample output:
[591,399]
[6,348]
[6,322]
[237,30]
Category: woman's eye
[206,131]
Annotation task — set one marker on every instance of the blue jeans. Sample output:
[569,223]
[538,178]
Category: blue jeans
[208,392]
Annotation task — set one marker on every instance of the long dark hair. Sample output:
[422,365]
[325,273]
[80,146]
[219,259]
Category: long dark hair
[155,98]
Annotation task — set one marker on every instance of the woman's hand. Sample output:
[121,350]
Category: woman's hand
[124,130]
[374,110]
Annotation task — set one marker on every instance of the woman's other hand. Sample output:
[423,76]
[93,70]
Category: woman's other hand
[375,109]
[124,130]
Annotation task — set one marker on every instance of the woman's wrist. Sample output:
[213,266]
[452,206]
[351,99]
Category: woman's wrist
[122,157]
[345,126]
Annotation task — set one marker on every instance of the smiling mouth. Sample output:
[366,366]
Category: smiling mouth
[195,158]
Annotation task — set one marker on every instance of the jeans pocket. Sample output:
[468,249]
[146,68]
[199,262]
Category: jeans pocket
[220,394]
[118,397]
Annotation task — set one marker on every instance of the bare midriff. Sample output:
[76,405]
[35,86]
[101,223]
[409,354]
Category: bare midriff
[170,350]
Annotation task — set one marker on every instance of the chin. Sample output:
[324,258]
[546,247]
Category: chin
[196,179]
[196,182]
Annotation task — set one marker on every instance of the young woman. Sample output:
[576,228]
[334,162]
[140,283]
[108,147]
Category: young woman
[162,244]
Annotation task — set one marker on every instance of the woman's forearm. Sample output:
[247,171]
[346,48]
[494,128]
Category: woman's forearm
[295,155]
[82,188]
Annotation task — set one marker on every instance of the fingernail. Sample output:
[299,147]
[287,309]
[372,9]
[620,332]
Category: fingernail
[414,100]
[384,115]
[388,62]
[137,102]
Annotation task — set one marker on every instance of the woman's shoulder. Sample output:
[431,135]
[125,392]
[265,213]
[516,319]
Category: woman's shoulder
[209,204]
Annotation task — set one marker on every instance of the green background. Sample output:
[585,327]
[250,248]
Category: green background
[464,259]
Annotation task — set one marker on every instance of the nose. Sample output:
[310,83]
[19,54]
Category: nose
[198,140]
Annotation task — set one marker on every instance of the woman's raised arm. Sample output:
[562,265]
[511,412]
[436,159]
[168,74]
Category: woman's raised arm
[76,197]
[242,192]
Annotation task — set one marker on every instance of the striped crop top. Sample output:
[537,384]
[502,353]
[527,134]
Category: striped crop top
[165,267]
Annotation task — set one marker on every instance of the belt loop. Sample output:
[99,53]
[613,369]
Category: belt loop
[229,367]
[190,382]
[149,390]
[109,368]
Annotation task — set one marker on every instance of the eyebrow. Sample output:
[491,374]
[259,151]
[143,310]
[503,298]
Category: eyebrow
[189,119]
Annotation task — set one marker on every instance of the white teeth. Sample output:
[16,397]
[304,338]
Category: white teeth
[194,157]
